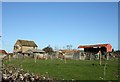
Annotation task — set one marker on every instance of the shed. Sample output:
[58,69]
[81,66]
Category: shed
[97,47]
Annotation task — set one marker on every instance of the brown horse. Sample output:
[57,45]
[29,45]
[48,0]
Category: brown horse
[62,56]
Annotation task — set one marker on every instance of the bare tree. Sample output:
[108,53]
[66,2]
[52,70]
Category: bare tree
[69,47]
[48,49]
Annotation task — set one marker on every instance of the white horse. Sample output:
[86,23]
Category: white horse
[40,56]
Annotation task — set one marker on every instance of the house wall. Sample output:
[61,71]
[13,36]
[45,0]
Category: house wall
[25,48]
[17,48]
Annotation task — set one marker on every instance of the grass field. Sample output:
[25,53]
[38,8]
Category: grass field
[73,69]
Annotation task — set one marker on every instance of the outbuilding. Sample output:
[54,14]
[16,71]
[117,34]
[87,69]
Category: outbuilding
[96,48]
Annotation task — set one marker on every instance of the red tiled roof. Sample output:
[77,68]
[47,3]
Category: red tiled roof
[68,51]
[3,52]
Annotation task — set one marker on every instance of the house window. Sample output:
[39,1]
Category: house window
[16,47]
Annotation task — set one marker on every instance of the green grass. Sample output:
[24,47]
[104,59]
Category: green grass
[73,69]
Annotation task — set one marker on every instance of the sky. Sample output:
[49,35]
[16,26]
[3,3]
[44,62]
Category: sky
[60,23]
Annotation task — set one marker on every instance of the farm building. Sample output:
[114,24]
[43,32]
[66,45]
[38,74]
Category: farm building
[3,52]
[70,54]
[21,46]
[93,50]
[96,48]
[36,52]
[32,51]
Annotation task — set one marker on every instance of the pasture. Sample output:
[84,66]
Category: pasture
[73,69]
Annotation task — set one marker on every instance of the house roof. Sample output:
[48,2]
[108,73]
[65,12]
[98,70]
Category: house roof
[90,46]
[34,51]
[38,50]
[3,52]
[27,43]
[69,51]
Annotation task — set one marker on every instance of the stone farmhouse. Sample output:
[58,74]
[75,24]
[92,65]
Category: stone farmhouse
[22,46]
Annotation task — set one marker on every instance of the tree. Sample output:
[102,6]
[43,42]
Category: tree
[56,48]
[48,49]
[113,50]
[69,47]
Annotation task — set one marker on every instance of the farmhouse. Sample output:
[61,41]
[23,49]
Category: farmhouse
[21,46]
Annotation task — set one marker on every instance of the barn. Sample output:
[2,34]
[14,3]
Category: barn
[93,50]
[96,48]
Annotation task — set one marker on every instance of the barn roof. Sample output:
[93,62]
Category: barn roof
[3,52]
[108,46]
[27,43]
[69,51]
[34,51]
[90,46]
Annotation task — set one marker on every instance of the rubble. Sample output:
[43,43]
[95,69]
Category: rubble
[11,73]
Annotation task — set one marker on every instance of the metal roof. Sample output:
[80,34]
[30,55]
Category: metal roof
[90,46]
[107,46]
